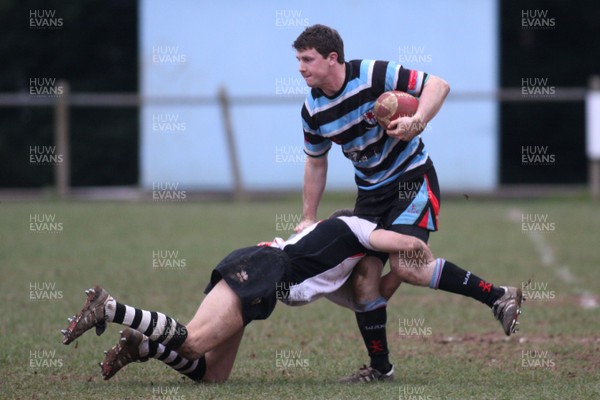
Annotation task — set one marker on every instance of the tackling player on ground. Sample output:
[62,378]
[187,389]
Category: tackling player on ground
[244,287]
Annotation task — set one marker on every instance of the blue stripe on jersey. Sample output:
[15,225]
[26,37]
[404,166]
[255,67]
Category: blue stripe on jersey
[415,209]
[316,150]
[378,176]
[347,121]
[430,225]
[363,141]
[418,160]
[391,76]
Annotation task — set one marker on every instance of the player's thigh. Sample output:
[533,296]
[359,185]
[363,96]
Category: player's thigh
[218,318]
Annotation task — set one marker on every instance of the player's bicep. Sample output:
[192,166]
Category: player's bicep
[315,145]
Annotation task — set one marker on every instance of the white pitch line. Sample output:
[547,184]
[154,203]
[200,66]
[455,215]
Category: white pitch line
[588,301]
[565,274]
[545,251]
[548,259]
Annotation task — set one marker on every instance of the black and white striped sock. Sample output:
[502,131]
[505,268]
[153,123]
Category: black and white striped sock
[157,326]
[193,369]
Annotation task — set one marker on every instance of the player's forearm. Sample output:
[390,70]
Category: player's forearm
[393,242]
[315,178]
[432,97]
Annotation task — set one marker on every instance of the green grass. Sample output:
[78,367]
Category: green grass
[464,354]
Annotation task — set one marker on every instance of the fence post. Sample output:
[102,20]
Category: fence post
[592,105]
[238,188]
[62,170]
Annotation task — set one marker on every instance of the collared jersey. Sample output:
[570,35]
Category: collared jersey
[322,258]
[347,119]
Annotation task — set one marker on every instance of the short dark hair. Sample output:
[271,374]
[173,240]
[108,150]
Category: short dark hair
[323,39]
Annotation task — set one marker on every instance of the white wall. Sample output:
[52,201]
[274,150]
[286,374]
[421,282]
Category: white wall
[191,48]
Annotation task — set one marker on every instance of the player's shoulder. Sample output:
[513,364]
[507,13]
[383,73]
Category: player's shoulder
[312,101]
[366,64]
[360,227]
[367,69]
[359,67]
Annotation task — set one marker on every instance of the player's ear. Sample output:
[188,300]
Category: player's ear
[332,58]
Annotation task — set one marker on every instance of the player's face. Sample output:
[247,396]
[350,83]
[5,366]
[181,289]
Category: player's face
[314,68]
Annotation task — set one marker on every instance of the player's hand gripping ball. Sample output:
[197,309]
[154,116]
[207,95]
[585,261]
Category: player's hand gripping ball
[393,105]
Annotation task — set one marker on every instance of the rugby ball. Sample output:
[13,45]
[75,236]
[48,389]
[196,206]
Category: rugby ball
[394,104]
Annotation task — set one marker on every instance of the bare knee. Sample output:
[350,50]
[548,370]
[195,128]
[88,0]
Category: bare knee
[413,268]
[215,376]
[416,248]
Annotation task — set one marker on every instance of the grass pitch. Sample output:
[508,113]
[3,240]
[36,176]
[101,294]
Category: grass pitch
[159,255]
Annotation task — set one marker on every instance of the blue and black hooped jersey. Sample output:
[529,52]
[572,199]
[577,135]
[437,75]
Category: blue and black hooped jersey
[347,119]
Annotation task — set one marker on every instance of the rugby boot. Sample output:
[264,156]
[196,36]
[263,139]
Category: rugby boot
[91,315]
[123,353]
[368,375]
[507,309]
